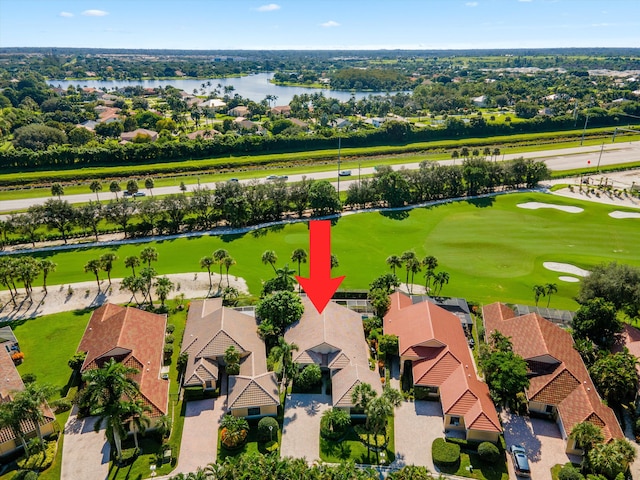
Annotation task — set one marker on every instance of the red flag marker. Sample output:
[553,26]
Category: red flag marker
[320,287]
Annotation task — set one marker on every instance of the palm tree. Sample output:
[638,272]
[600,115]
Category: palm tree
[286,359]
[57,190]
[47,266]
[106,262]
[299,255]
[219,255]
[538,291]
[270,257]
[207,262]
[334,261]
[138,420]
[147,274]
[106,386]
[441,279]
[414,267]
[132,262]
[134,284]
[496,152]
[148,255]
[228,263]
[408,255]
[586,435]
[30,400]
[431,263]
[486,151]
[112,417]
[12,417]
[163,287]
[285,276]
[96,187]
[94,266]
[549,289]
[114,187]
[394,262]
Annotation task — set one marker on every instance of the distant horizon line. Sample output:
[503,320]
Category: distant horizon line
[341,49]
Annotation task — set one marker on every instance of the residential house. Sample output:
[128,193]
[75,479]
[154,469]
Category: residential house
[11,383]
[239,111]
[88,124]
[560,385]
[282,110]
[129,136]
[8,340]
[334,340]
[244,125]
[214,103]
[134,338]
[375,121]
[299,123]
[480,101]
[203,134]
[340,123]
[211,329]
[433,345]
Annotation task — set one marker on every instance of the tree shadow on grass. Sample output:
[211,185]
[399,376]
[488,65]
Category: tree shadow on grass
[482,202]
[395,214]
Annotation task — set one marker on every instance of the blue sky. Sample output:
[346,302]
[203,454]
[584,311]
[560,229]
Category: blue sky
[320,24]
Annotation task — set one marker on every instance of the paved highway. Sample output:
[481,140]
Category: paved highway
[561,159]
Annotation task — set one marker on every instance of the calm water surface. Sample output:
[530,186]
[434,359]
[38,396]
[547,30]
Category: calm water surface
[255,87]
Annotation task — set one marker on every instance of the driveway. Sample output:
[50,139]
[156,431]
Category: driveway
[301,429]
[200,434]
[85,453]
[417,424]
[542,441]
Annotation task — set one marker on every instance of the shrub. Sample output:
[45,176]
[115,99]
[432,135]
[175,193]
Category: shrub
[233,439]
[334,423]
[169,339]
[309,377]
[168,350]
[170,328]
[488,453]
[39,461]
[369,438]
[445,454]
[61,405]
[272,447]
[569,472]
[264,434]
[28,378]
[31,475]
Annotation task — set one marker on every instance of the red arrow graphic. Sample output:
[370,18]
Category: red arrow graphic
[320,287]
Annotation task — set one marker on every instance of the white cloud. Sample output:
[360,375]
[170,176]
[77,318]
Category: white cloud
[95,13]
[330,24]
[471,4]
[269,8]
[65,14]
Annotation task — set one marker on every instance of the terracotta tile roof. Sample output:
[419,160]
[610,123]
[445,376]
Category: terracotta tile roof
[10,383]
[629,338]
[435,338]
[247,392]
[135,338]
[336,333]
[344,381]
[566,384]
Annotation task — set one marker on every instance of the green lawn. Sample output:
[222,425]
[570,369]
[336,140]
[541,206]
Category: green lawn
[48,342]
[251,446]
[471,466]
[352,449]
[491,249]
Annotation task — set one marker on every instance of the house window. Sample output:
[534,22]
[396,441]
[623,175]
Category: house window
[253,411]
[207,384]
[549,409]
[455,421]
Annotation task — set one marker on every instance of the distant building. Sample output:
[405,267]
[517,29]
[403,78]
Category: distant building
[282,110]
[480,101]
[129,136]
[239,111]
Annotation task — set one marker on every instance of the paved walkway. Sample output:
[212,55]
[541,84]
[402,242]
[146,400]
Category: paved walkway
[85,453]
[542,441]
[301,429]
[417,424]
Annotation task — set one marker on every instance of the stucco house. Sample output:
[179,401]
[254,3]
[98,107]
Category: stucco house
[560,385]
[11,383]
[432,343]
[210,330]
[129,136]
[239,111]
[282,110]
[135,338]
[334,340]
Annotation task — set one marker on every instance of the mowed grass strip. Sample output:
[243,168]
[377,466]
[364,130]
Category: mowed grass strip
[491,249]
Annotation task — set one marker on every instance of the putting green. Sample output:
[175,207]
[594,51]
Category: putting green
[491,249]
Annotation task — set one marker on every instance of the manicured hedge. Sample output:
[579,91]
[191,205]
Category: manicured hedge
[445,454]
[264,434]
[488,453]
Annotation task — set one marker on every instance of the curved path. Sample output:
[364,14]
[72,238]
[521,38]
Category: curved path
[559,159]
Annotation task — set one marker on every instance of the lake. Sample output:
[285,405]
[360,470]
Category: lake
[255,87]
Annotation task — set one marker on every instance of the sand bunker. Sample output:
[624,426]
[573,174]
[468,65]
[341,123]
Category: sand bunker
[619,214]
[569,279]
[565,268]
[536,205]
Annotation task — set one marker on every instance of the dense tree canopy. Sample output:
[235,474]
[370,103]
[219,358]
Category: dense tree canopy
[614,282]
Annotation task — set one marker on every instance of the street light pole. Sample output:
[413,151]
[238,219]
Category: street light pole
[339,141]
[598,167]
[584,129]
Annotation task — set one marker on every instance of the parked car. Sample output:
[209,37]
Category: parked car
[139,194]
[272,177]
[126,193]
[520,461]
[283,177]
[345,173]
[233,180]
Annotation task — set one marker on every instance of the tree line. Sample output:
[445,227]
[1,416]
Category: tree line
[238,205]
